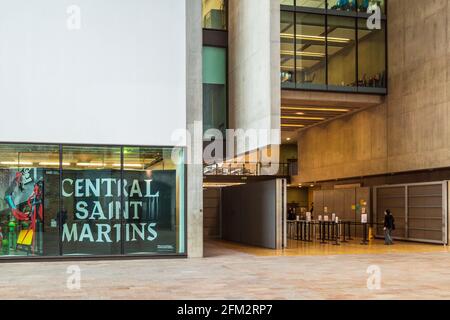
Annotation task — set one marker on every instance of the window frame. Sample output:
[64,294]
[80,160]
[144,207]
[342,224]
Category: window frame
[356,16]
[122,255]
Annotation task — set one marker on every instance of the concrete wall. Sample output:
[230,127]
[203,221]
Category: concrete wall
[410,131]
[254,67]
[194,190]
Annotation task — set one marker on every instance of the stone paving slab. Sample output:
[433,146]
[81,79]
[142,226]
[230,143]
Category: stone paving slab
[236,276]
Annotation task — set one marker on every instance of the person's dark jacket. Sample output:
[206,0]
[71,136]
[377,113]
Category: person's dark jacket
[389,222]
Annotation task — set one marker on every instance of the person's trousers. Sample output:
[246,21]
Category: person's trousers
[388,236]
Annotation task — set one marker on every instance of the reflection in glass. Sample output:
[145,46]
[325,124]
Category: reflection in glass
[155,215]
[214,14]
[311,51]
[29,189]
[91,200]
[341,52]
[311,3]
[214,88]
[342,5]
[371,56]
[371,5]
[287,48]
[287,2]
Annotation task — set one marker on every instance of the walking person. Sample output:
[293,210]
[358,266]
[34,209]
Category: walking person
[389,226]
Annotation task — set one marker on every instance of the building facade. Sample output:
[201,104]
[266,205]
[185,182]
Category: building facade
[108,118]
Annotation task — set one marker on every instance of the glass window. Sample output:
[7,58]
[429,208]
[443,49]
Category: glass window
[371,56]
[215,88]
[155,216]
[342,5]
[287,2]
[327,52]
[214,14]
[341,42]
[311,51]
[320,4]
[29,195]
[371,5]
[287,49]
[91,200]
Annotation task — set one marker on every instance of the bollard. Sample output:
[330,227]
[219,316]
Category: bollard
[323,233]
[337,235]
[344,235]
[364,241]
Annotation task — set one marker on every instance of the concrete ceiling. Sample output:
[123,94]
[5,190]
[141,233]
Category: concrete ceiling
[301,110]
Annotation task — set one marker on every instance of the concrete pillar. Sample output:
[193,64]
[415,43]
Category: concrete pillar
[194,107]
[254,68]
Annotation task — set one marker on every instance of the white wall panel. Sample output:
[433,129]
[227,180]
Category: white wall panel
[119,79]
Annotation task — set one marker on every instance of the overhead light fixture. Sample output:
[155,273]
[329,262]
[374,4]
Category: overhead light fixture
[221,185]
[53,164]
[315,38]
[288,139]
[303,54]
[285,125]
[302,118]
[321,109]
[15,163]
[128,165]
[90,164]
[300,113]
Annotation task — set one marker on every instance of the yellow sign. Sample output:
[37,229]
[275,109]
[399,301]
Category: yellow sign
[25,237]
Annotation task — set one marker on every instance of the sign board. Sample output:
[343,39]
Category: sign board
[308,216]
[364,218]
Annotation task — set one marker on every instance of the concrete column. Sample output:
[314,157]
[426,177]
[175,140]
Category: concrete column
[254,68]
[194,107]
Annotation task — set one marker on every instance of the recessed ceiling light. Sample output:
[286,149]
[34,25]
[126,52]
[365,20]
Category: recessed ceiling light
[288,139]
[315,109]
[315,38]
[302,118]
[292,125]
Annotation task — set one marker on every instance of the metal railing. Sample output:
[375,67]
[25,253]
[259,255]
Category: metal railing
[248,169]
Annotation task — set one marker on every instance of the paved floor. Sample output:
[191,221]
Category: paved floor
[233,272]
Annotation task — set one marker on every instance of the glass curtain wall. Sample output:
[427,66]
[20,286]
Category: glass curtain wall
[214,14]
[29,200]
[325,49]
[215,89]
[58,200]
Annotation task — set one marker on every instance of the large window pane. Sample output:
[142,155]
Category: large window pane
[214,14]
[287,2]
[320,4]
[287,49]
[370,5]
[311,51]
[342,5]
[371,56]
[29,195]
[215,88]
[155,222]
[341,53]
[91,200]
